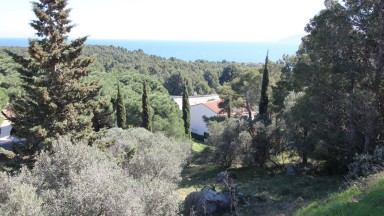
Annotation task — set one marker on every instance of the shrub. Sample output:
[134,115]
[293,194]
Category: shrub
[231,140]
[77,179]
[366,164]
[154,154]
[17,198]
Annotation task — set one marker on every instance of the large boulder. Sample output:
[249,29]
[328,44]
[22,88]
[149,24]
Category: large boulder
[206,202]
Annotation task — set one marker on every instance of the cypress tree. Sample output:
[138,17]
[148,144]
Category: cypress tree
[121,114]
[186,112]
[263,106]
[146,115]
[55,100]
[229,108]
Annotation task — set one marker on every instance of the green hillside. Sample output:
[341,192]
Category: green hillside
[361,198]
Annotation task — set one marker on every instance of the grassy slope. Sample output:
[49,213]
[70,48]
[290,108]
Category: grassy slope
[263,193]
[365,198]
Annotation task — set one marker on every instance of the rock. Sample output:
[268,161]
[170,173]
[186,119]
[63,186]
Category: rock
[300,169]
[206,202]
[291,170]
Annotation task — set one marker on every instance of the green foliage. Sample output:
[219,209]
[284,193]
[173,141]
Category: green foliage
[211,78]
[3,98]
[56,101]
[228,96]
[121,114]
[6,153]
[336,71]
[175,84]
[166,116]
[186,111]
[362,198]
[231,140]
[77,179]
[146,116]
[103,115]
[263,105]
[228,74]
[366,164]
[262,194]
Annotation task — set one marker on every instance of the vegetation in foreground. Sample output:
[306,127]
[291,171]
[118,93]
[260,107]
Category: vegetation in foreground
[364,197]
[324,104]
[125,172]
[261,192]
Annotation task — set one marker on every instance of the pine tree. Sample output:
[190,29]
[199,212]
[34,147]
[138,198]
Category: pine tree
[55,100]
[263,106]
[146,115]
[121,114]
[186,112]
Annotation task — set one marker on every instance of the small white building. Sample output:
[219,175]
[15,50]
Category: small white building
[208,109]
[206,105]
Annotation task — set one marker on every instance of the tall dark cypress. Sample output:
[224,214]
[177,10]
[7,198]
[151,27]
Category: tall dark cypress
[229,108]
[186,112]
[146,115]
[55,101]
[263,106]
[121,114]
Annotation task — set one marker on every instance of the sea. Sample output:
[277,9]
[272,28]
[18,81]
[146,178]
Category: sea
[217,51]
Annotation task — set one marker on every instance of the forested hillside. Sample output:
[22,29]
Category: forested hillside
[202,76]
[307,119]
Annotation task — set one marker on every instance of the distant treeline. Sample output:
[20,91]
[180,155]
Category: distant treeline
[202,76]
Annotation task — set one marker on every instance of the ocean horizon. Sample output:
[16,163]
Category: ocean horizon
[193,50]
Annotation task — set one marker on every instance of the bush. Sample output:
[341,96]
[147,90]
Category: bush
[154,154]
[17,198]
[83,180]
[231,140]
[365,164]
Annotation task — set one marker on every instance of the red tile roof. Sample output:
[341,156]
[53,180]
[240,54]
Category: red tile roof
[214,106]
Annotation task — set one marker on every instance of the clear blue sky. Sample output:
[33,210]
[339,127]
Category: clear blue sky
[208,20]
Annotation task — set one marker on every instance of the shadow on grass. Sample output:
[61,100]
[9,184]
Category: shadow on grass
[260,193]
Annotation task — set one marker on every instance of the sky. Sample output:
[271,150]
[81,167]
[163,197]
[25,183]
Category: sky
[191,20]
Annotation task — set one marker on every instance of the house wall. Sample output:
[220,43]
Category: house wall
[198,126]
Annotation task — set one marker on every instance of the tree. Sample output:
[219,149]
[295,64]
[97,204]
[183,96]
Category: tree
[121,114]
[175,83]
[228,74]
[231,140]
[246,85]
[103,115]
[339,69]
[228,95]
[263,106]
[146,116]
[186,112]
[55,100]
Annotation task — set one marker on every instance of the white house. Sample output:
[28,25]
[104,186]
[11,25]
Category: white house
[208,109]
[193,100]
[206,105]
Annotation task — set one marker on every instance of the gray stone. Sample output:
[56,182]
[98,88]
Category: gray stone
[206,202]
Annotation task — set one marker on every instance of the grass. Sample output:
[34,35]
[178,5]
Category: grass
[198,147]
[366,198]
[262,193]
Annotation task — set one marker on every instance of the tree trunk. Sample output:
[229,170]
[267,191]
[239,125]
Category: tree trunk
[250,121]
